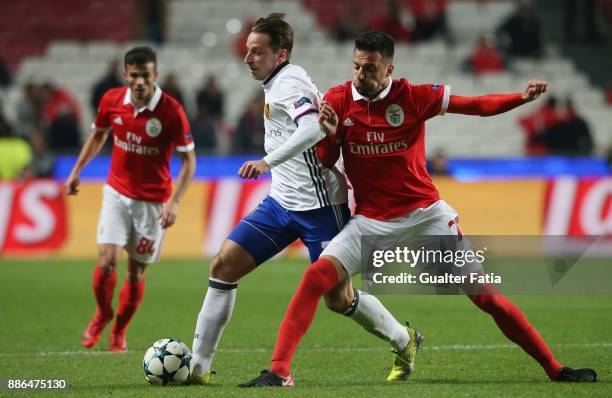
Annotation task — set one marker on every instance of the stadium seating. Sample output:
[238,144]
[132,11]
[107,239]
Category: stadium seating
[200,43]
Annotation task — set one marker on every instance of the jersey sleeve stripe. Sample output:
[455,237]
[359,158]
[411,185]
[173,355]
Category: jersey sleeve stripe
[306,112]
[445,100]
[185,148]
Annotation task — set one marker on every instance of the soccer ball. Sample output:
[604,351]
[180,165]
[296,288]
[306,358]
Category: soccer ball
[166,362]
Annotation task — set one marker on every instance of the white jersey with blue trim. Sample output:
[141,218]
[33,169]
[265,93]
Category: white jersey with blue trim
[300,183]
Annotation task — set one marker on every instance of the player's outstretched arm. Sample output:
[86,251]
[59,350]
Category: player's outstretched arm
[92,146]
[170,209]
[494,104]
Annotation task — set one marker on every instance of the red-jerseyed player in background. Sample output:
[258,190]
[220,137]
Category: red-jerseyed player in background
[146,125]
[379,124]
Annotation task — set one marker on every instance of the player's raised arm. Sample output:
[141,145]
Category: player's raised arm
[92,146]
[494,104]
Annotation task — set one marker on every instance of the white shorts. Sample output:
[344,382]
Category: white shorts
[131,223]
[437,219]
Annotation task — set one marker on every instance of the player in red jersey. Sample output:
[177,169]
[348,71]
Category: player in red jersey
[146,125]
[378,124]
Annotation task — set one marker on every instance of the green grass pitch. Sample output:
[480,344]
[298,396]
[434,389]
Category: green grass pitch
[44,305]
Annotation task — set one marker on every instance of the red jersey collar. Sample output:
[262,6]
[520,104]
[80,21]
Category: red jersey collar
[127,99]
[381,96]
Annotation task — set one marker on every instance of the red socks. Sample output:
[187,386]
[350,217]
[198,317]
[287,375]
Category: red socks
[513,323]
[129,298]
[318,279]
[104,287]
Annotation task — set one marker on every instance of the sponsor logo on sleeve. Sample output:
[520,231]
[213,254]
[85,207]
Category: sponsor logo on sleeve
[301,102]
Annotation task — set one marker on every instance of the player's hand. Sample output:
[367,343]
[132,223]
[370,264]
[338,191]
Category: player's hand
[328,119]
[71,186]
[534,89]
[253,169]
[167,217]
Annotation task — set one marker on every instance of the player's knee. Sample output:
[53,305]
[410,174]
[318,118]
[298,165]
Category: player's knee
[491,304]
[315,280]
[221,268]
[338,303]
[108,262]
[135,274]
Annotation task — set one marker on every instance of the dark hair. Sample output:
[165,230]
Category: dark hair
[280,32]
[376,41]
[140,56]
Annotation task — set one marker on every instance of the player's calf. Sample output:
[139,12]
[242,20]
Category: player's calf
[341,298]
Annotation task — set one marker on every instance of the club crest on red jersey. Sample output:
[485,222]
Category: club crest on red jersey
[153,127]
[394,115]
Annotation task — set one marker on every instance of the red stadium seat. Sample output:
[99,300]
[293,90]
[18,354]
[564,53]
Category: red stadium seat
[27,27]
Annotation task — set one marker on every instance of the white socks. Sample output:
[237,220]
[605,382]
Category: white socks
[214,315]
[219,302]
[367,311]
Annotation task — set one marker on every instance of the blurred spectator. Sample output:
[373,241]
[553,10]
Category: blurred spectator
[57,102]
[29,109]
[587,15]
[43,161]
[250,132]
[350,25]
[485,58]
[437,165]
[60,119]
[241,38]
[536,124]
[429,19]
[605,6]
[211,98]
[204,130]
[551,130]
[112,78]
[520,33]
[154,14]
[392,24]
[571,136]
[15,153]
[172,88]
[5,74]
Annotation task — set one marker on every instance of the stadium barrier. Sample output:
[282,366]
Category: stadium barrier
[38,220]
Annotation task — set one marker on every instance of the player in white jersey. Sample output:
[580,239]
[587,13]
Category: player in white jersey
[306,201]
